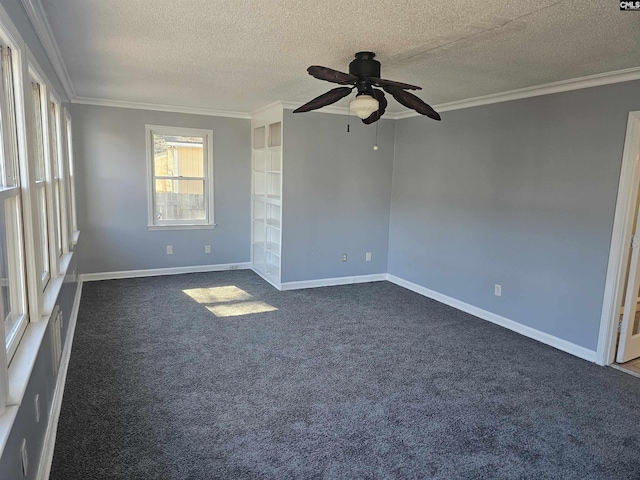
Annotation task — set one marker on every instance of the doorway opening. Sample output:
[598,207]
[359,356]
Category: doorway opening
[619,339]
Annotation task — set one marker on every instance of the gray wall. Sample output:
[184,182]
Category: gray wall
[521,194]
[111,184]
[336,196]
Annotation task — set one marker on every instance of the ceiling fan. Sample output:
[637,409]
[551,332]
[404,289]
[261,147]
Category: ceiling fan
[369,103]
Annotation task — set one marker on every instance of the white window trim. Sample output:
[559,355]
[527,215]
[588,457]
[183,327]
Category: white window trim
[17,262]
[10,35]
[29,202]
[71,175]
[208,178]
[52,221]
[40,186]
[62,176]
[39,304]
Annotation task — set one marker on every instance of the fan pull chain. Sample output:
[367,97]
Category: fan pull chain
[349,110]
[375,146]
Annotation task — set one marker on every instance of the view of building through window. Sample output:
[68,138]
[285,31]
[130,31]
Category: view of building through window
[179,176]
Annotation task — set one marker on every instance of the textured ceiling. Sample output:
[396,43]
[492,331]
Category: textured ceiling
[239,55]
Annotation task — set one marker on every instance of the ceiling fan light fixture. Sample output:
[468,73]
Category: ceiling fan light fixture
[364,105]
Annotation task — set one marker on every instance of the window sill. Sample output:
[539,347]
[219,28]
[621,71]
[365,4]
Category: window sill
[182,227]
[25,357]
[55,284]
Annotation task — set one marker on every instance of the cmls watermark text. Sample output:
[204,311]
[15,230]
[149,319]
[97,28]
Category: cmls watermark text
[630,6]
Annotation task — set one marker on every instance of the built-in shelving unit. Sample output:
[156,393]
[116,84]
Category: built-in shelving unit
[266,196]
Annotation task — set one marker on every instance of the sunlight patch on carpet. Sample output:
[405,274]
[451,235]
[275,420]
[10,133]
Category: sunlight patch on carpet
[229,293]
[238,309]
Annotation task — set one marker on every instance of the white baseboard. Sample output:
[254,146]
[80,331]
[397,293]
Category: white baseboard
[543,337]
[154,272]
[46,457]
[330,282]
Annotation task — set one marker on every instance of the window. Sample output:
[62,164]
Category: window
[56,176]
[13,298]
[71,192]
[41,184]
[180,163]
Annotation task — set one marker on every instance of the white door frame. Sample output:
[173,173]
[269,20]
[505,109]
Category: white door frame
[620,242]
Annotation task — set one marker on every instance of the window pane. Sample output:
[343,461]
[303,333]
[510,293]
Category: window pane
[176,155]
[73,225]
[55,177]
[37,132]
[4,269]
[10,259]
[9,165]
[58,210]
[42,219]
[179,200]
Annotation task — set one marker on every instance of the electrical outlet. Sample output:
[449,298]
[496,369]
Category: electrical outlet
[36,406]
[367,257]
[24,457]
[207,249]
[497,290]
[344,257]
[233,267]
[169,249]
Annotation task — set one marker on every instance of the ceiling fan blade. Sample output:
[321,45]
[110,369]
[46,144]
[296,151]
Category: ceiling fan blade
[411,101]
[381,82]
[331,75]
[328,98]
[375,116]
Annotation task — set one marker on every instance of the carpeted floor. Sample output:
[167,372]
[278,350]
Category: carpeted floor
[219,375]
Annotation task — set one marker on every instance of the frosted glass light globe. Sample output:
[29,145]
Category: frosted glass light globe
[364,105]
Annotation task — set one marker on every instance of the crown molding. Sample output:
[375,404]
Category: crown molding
[597,80]
[267,107]
[38,18]
[333,109]
[589,81]
[159,107]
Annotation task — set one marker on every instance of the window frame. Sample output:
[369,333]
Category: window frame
[42,187]
[72,224]
[58,177]
[17,265]
[208,178]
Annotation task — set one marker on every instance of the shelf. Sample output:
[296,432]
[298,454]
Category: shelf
[275,134]
[260,160]
[259,137]
[273,248]
[273,223]
[271,260]
[266,195]
[273,271]
[259,256]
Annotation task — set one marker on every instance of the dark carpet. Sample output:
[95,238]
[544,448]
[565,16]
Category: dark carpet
[183,377]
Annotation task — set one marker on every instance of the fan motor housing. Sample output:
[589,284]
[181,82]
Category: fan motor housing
[364,65]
